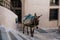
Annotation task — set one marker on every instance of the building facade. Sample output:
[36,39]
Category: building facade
[5,3]
[15,6]
[50,10]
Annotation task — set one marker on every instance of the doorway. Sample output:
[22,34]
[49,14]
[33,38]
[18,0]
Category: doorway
[17,8]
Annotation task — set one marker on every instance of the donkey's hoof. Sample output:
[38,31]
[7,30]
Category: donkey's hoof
[23,32]
[27,33]
[32,36]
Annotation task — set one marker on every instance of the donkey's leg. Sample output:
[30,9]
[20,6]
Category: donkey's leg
[31,31]
[27,31]
[23,28]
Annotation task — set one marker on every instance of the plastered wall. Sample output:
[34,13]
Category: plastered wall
[7,18]
[40,7]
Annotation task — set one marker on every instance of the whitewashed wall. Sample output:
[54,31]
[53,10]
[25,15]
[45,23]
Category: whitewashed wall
[7,18]
[40,7]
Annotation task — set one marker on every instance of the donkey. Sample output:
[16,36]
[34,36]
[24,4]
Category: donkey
[31,22]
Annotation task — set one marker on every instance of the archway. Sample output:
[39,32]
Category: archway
[17,8]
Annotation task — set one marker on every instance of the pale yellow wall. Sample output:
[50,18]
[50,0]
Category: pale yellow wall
[32,6]
[40,7]
[59,14]
[7,18]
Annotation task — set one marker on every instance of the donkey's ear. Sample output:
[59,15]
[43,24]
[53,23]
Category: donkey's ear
[39,16]
[35,14]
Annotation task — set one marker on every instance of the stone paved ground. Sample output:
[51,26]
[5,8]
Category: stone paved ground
[49,34]
[40,34]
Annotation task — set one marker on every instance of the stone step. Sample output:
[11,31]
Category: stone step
[39,34]
[27,37]
[21,35]
[3,34]
[12,36]
[0,35]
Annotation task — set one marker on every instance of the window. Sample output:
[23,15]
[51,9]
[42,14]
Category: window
[54,2]
[53,14]
[16,3]
[18,12]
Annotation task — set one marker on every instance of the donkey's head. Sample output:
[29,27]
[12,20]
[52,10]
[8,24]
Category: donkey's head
[36,19]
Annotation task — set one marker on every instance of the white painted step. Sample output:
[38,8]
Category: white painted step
[18,36]
[4,34]
[15,36]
